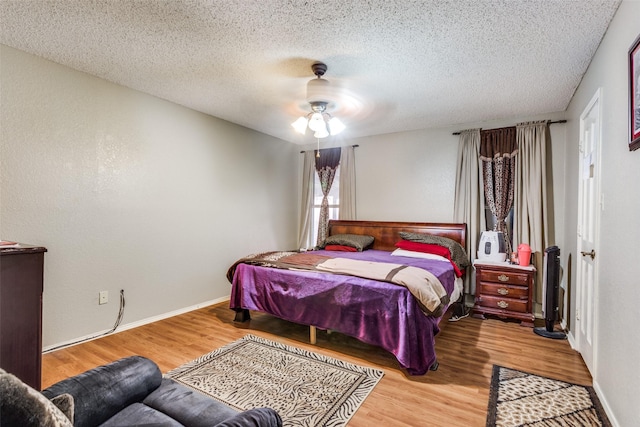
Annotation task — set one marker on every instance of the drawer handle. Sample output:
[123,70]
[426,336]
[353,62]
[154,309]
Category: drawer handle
[503,278]
[503,304]
[503,291]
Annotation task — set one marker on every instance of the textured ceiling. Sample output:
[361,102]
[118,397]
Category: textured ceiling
[399,65]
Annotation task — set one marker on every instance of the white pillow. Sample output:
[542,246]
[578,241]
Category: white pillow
[413,254]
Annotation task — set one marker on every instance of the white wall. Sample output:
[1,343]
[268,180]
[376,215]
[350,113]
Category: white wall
[617,343]
[127,191]
[407,176]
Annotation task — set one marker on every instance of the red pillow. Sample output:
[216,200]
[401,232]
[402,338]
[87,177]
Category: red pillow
[340,248]
[428,248]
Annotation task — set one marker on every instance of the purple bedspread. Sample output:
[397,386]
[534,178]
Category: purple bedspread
[378,313]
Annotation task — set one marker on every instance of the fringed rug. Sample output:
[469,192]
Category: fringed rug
[520,399]
[306,388]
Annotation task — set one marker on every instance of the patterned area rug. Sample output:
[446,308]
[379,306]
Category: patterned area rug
[306,388]
[521,399]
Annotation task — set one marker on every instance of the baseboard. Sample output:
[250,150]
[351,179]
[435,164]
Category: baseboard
[132,325]
[605,405]
[571,339]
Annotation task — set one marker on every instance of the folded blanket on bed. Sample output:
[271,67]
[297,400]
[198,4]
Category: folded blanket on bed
[423,285]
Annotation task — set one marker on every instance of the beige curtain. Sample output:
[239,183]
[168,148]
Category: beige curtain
[531,207]
[347,184]
[306,206]
[469,200]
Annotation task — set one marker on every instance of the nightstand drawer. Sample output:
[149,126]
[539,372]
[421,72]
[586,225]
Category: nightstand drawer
[508,304]
[504,291]
[506,277]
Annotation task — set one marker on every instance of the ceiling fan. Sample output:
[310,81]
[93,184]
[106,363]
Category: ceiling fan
[319,97]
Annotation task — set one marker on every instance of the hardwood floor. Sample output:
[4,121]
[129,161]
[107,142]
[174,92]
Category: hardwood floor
[455,395]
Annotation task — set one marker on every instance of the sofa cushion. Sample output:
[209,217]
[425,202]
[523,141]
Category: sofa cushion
[188,406]
[65,403]
[258,417]
[101,392]
[21,405]
[139,414]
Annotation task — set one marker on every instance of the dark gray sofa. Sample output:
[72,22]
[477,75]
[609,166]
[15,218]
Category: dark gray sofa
[130,391]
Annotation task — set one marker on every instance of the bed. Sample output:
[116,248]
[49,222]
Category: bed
[377,312]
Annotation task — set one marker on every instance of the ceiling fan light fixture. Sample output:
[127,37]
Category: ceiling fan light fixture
[316,122]
[318,97]
[300,125]
[321,133]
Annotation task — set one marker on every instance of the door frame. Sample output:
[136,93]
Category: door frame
[580,346]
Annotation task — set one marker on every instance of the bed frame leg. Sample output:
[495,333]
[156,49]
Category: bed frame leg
[312,334]
[242,315]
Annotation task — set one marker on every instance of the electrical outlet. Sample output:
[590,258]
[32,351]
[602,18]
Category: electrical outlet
[104,297]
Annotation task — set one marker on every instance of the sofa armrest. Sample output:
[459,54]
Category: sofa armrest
[101,392]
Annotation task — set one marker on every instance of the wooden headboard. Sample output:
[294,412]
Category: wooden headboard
[387,233]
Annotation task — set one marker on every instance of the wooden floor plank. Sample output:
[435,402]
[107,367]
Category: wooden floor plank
[454,395]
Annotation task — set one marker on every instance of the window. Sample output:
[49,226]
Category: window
[333,198]
[491,221]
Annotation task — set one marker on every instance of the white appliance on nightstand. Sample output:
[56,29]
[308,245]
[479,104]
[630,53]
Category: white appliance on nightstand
[492,247]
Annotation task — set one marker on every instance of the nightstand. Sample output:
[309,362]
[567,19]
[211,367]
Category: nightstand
[504,290]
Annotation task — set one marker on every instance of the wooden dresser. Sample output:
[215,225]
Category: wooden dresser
[21,275]
[504,290]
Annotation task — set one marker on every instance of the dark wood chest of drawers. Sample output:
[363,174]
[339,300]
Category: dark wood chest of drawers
[21,275]
[505,291]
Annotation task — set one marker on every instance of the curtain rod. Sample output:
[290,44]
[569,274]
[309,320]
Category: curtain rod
[354,146]
[552,122]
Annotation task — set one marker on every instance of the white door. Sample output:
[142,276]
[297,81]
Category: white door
[588,227]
